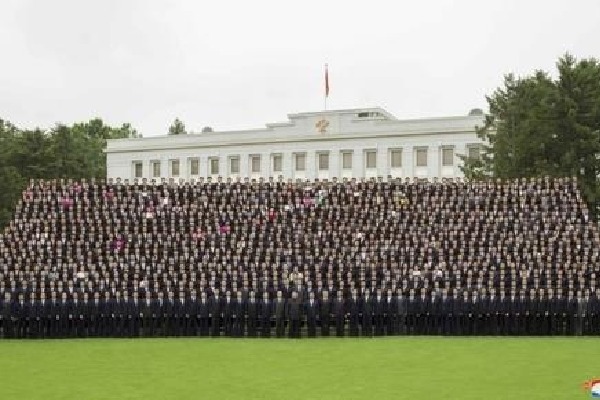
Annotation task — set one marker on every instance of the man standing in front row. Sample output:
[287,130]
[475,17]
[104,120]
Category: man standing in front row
[311,310]
[265,315]
[325,313]
[294,316]
[280,309]
[252,314]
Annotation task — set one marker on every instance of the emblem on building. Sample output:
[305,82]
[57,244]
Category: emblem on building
[322,125]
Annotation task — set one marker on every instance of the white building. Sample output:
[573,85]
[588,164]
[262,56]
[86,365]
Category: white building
[339,144]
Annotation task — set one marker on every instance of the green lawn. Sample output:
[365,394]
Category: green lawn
[387,368]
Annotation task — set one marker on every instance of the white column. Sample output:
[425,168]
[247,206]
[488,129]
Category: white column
[434,160]
[287,164]
[408,161]
[311,165]
[335,164]
[383,162]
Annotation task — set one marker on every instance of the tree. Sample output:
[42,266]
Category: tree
[539,126]
[75,152]
[177,128]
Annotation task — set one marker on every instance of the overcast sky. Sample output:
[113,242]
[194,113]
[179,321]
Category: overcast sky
[241,64]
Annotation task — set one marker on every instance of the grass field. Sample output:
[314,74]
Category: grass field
[387,368]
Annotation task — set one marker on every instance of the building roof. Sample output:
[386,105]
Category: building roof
[309,126]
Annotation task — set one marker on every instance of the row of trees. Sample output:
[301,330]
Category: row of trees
[538,125]
[74,151]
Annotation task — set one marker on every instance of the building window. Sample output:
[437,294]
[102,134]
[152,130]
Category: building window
[234,165]
[194,166]
[255,164]
[277,163]
[155,169]
[347,160]
[300,162]
[474,152]
[371,159]
[422,157]
[138,169]
[175,168]
[447,157]
[323,161]
[213,165]
[396,158]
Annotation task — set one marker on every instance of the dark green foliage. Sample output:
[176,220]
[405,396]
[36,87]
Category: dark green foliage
[540,126]
[63,152]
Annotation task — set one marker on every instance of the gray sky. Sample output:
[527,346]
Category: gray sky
[240,64]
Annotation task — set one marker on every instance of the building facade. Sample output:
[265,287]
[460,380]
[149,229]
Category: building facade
[356,143]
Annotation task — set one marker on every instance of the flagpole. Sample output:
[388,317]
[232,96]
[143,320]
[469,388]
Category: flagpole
[326,84]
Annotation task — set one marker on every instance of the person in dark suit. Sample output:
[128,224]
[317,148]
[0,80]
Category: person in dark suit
[66,316]
[581,314]
[215,314]
[228,310]
[401,312]
[280,311]
[492,314]
[446,313]
[353,314]
[379,314]
[475,314]
[544,312]
[87,309]
[325,313]
[535,313]
[252,314]
[461,311]
[594,309]
[391,313]
[435,313]
[123,311]
[107,315]
[238,316]
[522,308]
[423,313]
[294,315]
[78,312]
[204,314]
[412,311]
[34,313]
[366,309]
[192,317]
[514,311]
[266,311]
[20,316]
[311,310]
[135,310]
[5,316]
[96,316]
[117,315]
[179,312]
[560,308]
[148,315]
[46,316]
[339,312]
[170,316]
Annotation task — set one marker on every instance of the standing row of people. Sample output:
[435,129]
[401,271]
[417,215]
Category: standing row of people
[301,314]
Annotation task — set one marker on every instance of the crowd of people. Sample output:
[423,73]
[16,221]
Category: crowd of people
[291,258]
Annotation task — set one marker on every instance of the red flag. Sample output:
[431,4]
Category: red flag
[326,80]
